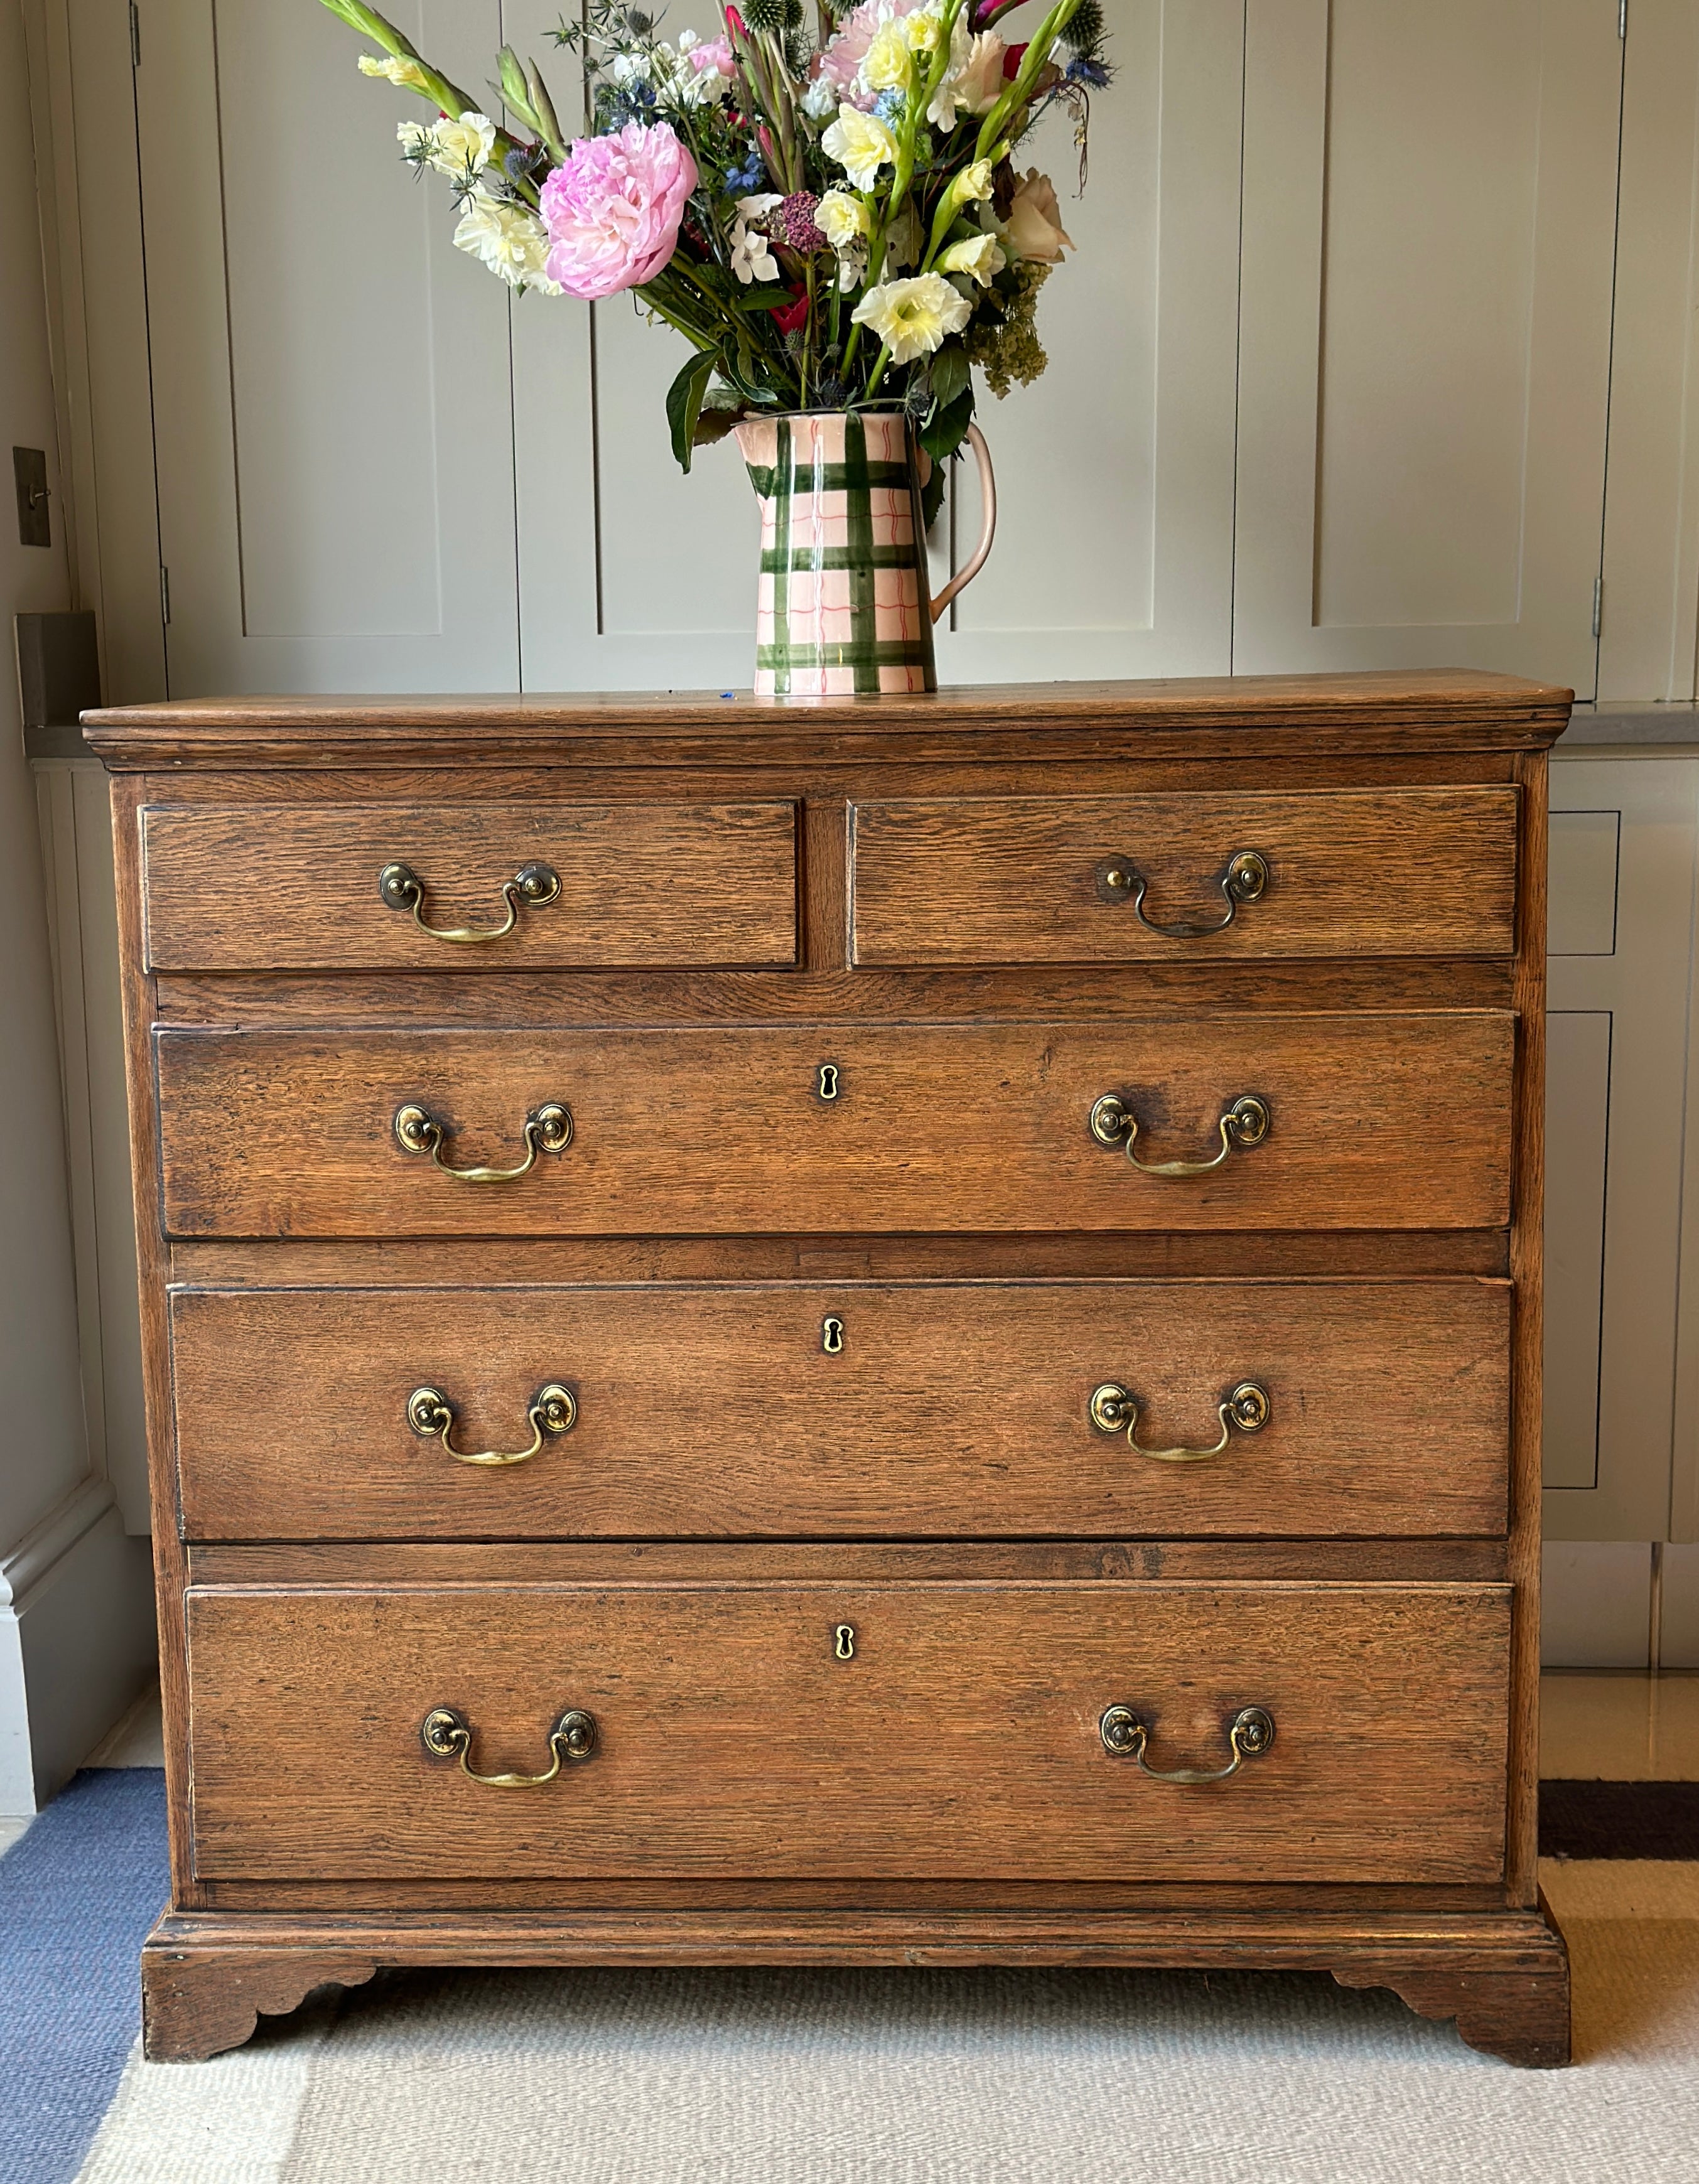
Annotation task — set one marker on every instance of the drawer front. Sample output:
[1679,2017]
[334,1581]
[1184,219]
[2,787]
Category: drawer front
[1375,1122]
[297,887]
[1417,872]
[884,1409]
[961,1738]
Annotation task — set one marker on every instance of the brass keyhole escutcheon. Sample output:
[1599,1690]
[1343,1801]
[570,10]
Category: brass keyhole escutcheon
[843,1642]
[825,1083]
[832,1336]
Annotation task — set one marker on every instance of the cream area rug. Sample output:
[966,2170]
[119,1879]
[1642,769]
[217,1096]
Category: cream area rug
[939,2077]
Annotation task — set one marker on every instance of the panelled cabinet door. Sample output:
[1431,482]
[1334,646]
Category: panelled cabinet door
[1115,470]
[1429,199]
[1622,890]
[331,403]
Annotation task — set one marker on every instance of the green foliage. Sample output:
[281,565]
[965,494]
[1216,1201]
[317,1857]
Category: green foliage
[946,428]
[684,400]
[949,373]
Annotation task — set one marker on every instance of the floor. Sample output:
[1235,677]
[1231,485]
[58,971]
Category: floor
[137,1740]
[1619,1727]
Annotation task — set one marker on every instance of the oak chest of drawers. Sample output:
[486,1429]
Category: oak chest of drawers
[899,1333]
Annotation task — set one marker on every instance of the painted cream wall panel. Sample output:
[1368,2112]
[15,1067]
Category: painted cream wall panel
[85,95]
[1429,239]
[1578,1099]
[333,378]
[1652,498]
[332,387]
[1623,1007]
[1115,472]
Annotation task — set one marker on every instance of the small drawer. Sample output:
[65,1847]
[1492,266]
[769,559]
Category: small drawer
[1405,872]
[1365,1121]
[921,1409]
[926,1730]
[466,886]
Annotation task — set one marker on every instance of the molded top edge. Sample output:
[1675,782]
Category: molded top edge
[1433,706]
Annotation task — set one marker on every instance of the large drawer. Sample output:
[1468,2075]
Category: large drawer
[1079,880]
[271,887]
[963,1736]
[1395,1120]
[925,1409]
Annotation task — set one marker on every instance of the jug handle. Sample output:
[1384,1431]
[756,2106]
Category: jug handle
[988,524]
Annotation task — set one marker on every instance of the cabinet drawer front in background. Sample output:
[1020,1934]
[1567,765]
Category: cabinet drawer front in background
[1378,1121]
[1410,872]
[938,1409]
[960,1739]
[295,886]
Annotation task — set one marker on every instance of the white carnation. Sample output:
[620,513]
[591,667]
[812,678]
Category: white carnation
[511,241]
[457,148]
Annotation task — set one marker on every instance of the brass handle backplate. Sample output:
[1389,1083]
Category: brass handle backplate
[1249,1736]
[446,1734]
[532,886]
[1247,1409]
[547,1129]
[1246,1121]
[553,1409]
[1245,880]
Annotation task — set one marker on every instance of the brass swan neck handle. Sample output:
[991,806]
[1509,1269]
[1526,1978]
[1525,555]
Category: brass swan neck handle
[446,1734]
[1125,1735]
[553,1409]
[1246,879]
[532,886]
[1246,1121]
[1246,1409]
[547,1129]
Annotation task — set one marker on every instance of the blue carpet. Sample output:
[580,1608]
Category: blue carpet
[78,1893]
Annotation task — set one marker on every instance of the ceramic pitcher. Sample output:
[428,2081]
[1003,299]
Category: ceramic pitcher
[844,607]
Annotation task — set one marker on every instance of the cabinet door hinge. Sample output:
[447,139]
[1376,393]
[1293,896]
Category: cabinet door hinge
[164,594]
[1598,605]
[135,35]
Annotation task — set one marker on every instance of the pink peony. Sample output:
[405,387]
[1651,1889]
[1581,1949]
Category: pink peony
[717,55]
[613,211]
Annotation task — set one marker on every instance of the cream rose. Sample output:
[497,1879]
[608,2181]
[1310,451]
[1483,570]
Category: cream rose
[841,219]
[887,66]
[1034,227]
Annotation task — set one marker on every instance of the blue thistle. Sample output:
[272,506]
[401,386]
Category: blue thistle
[889,105]
[1084,69]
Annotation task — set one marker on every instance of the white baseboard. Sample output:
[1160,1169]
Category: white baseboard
[1596,1604]
[77,1642]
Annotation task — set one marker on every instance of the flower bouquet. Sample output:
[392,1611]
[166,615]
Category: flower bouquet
[833,219]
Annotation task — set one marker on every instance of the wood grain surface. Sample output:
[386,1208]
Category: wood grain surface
[1504,1976]
[966,879]
[1199,717]
[641,883]
[1378,1120]
[962,1739]
[950,1409]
